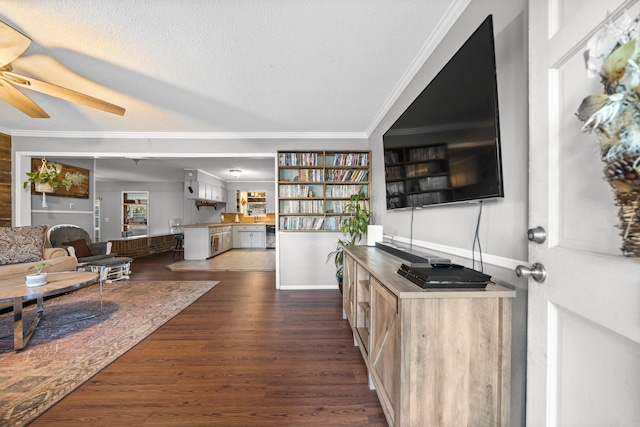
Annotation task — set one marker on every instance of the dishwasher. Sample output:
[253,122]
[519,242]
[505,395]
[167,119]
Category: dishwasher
[271,236]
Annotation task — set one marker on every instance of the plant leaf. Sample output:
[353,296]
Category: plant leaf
[615,65]
[591,105]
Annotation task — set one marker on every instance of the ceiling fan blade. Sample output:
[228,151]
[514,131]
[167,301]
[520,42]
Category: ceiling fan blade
[12,44]
[21,101]
[61,92]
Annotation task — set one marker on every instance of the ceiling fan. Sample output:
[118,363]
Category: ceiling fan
[12,45]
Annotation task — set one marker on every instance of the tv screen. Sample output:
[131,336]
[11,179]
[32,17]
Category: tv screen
[445,148]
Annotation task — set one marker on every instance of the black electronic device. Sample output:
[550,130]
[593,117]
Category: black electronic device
[445,276]
[445,148]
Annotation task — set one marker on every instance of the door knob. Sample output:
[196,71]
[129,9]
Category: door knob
[536,272]
[537,235]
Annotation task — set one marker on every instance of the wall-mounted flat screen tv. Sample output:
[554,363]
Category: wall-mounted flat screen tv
[445,148]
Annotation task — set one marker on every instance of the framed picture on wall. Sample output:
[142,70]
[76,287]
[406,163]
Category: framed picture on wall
[79,190]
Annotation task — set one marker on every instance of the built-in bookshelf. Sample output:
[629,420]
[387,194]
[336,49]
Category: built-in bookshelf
[314,187]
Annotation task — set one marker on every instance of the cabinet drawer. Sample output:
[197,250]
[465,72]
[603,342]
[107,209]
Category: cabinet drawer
[250,227]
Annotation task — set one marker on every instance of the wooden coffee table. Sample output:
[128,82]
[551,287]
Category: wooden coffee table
[18,292]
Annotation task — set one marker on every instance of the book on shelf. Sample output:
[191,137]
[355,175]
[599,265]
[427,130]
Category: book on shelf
[351,159]
[298,159]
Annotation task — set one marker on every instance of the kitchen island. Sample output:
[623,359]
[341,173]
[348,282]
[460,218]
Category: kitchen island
[202,241]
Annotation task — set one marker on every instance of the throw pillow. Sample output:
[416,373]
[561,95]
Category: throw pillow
[81,248]
[21,244]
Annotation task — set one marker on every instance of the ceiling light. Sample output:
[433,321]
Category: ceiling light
[235,172]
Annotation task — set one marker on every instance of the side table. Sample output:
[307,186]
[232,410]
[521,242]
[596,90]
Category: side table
[110,269]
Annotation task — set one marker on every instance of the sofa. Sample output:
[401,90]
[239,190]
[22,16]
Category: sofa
[22,248]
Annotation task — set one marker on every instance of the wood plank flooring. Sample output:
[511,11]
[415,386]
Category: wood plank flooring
[244,354]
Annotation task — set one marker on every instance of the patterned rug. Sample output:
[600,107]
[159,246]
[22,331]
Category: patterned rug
[64,352]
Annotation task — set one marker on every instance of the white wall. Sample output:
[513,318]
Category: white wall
[448,230]
[165,203]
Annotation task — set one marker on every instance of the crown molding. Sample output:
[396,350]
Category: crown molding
[448,20]
[188,135]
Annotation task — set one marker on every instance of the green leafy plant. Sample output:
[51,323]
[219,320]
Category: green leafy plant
[354,222]
[49,173]
[39,267]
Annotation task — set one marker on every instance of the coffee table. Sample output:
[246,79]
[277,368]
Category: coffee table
[17,291]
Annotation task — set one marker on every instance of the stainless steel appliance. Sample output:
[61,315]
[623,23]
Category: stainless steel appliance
[271,236]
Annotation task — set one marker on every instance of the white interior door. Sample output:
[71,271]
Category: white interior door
[584,320]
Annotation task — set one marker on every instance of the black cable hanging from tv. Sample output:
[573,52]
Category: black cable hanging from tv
[476,239]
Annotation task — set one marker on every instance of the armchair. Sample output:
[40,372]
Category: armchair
[78,243]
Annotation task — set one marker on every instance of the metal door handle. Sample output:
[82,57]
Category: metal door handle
[536,272]
[537,235]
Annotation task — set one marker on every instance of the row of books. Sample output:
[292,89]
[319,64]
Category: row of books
[335,206]
[311,159]
[341,191]
[351,159]
[298,159]
[296,191]
[301,223]
[341,175]
[310,175]
[302,206]
[330,175]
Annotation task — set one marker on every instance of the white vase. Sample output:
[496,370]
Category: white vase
[34,280]
[374,234]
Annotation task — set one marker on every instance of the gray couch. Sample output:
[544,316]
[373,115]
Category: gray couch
[78,243]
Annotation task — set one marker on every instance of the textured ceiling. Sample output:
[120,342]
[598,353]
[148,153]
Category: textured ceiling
[239,66]
[250,68]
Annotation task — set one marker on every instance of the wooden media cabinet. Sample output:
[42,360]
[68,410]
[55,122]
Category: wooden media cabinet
[435,357]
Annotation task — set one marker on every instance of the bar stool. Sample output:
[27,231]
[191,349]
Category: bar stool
[179,246]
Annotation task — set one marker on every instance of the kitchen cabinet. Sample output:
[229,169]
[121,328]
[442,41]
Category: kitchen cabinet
[249,236]
[227,238]
[431,354]
[200,186]
[206,241]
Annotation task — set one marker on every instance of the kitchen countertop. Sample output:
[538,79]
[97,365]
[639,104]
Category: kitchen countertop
[221,224]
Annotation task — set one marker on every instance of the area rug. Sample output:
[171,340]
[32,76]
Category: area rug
[64,352]
[235,260]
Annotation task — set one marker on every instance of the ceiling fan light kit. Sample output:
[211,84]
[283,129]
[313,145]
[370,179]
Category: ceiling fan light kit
[13,44]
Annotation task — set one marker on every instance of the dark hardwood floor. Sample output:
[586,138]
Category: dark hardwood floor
[244,354]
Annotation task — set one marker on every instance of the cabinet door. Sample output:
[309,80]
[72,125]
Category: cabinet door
[348,288]
[259,239]
[244,238]
[385,358]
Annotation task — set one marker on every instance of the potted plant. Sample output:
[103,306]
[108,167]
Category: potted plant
[39,278]
[47,179]
[354,222]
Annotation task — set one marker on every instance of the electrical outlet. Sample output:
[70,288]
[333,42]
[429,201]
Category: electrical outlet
[72,205]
